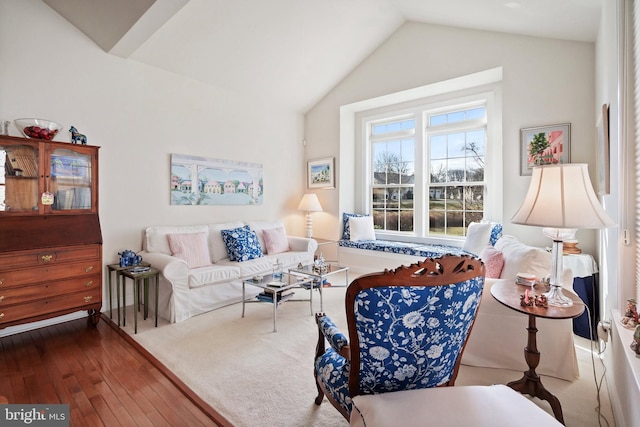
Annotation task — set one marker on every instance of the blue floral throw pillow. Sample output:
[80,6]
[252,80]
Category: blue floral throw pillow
[242,244]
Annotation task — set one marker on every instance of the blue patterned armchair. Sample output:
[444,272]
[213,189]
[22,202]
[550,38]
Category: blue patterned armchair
[407,330]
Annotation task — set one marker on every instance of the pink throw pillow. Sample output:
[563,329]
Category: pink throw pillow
[275,240]
[192,248]
[493,262]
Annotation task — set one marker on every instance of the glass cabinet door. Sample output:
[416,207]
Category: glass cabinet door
[70,179]
[19,178]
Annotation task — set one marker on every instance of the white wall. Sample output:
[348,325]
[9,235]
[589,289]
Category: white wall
[617,259]
[139,116]
[545,82]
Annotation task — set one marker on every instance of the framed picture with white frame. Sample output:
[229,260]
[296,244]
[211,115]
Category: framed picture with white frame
[321,173]
[544,145]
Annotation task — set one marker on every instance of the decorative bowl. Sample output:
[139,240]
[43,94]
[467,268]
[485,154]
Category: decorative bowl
[38,128]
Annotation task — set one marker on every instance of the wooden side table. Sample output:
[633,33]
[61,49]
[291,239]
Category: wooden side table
[138,278]
[508,294]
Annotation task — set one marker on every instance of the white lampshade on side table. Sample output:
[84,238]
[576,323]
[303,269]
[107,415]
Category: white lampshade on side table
[561,199]
[309,204]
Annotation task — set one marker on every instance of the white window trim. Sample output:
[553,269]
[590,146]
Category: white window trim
[353,193]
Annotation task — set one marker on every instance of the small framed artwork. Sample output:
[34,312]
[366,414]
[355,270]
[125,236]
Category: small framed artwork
[321,173]
[602,155]
[544,145]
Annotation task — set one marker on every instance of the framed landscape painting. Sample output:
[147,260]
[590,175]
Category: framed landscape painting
[321,173]
[544,145]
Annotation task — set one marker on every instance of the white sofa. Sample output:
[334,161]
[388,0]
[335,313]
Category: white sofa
[186,292]
[499,334]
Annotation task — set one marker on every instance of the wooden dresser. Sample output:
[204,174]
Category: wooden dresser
[50,236]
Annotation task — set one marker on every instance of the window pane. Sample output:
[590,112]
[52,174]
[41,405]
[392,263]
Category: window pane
[475,113]
[407,150]
[474,197]
[475,170]
[436,198]
[455,224]
[475,143]
[436,222]
[454,198]
[392,221]
[457,145]
[455,172]
[406,220]
[379,196]
[378,219]
[438,147]
[438,171]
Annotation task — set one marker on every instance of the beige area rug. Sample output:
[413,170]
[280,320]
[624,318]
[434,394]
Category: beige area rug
[255,377]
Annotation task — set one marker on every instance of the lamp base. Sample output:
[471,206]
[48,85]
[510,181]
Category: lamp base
[556,298]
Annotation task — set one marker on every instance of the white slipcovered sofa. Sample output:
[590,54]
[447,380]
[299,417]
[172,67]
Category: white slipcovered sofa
[499,334]
[197,274]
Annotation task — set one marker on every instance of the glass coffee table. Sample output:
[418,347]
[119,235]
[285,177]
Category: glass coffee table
[276,291]
[319,276]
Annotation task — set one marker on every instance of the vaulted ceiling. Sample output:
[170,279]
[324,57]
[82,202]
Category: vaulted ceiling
[292,52]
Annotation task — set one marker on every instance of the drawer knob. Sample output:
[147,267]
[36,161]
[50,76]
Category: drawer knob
[1,315]
[1,282]
[46,258]
[89,283]
[87,299]
[88,269]
[1,298]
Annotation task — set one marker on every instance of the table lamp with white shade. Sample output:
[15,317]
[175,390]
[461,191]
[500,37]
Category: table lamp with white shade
[309,203]
[561,199]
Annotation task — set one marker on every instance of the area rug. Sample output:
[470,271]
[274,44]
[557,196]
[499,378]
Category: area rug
[248,373]
[255,377]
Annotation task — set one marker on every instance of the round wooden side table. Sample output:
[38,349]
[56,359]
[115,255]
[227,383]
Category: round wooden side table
[508,294]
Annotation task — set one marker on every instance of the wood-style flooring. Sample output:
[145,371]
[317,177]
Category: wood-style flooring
[106,378]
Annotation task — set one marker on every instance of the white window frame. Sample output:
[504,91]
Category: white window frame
[417,107]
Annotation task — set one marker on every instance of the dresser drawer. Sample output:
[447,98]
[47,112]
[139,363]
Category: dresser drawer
[20,294]
[92,298]
[52,256]
[10,279]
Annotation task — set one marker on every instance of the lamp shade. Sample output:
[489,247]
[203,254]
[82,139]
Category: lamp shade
[561,196]
[310,203]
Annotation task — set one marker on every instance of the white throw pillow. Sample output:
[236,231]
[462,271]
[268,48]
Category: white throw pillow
[520,258]
[361,228]
[217,248]
[478,235]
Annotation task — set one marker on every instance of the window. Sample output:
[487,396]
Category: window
[455,142]
[426,167]
[393,173]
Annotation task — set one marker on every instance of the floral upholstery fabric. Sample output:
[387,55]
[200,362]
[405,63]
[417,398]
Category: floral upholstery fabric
[242,243]
[409,338]
[332,334]
[405,248]
[496,233]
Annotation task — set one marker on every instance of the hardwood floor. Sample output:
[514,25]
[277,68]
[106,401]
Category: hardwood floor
[106,378]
